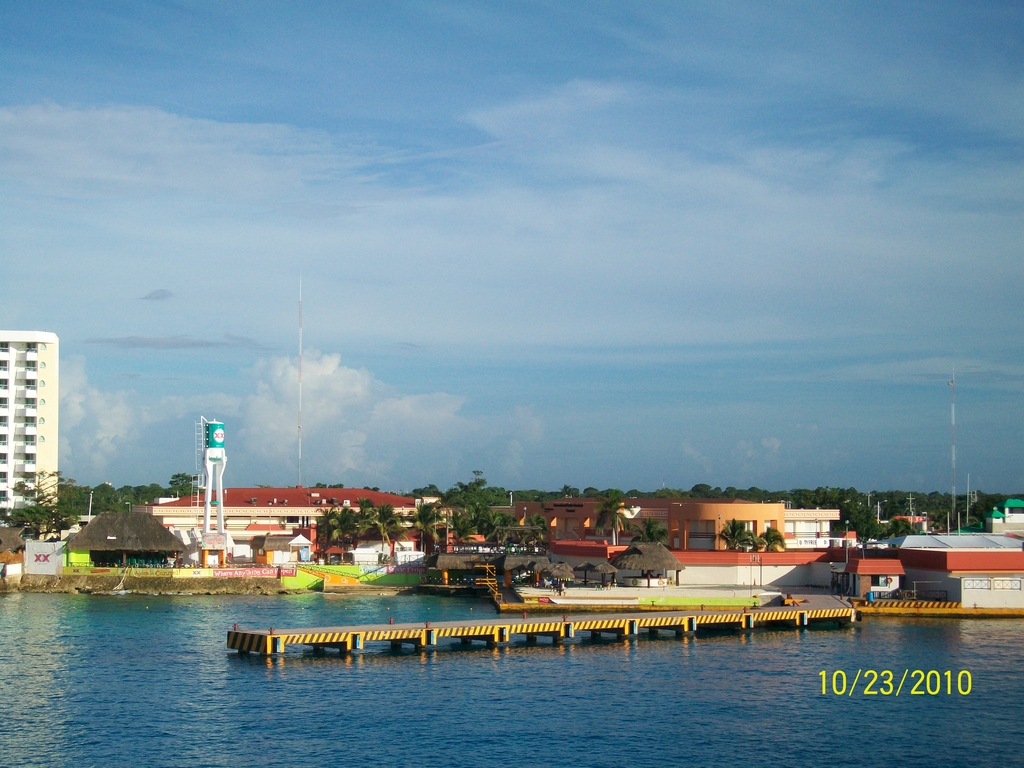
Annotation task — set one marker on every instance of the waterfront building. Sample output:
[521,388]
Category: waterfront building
[692,524]
[122,539]
[29,398]
[250,512]
[977,570]
[279,550]
[876,577]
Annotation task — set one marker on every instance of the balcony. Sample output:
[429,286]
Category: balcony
[25,467]
[28,374]
[26,410]
[31,355]
[26,429]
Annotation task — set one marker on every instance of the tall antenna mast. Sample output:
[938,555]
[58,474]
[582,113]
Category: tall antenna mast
[300,382]
[952,424]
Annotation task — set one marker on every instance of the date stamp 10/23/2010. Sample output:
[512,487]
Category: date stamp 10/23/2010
[886,682]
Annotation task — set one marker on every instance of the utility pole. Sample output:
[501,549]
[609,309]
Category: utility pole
[967,515]
[952,424]
[300,382]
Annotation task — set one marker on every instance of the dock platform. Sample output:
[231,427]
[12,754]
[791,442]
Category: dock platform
[491,632]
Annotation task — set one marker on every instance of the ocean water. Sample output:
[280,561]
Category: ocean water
[147,681]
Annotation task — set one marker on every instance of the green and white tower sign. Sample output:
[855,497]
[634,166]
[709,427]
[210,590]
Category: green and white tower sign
[214,435]
[214,461]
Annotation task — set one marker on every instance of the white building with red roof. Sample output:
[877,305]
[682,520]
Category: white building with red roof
[250,512]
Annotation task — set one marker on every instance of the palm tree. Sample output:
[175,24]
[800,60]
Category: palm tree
[774,541]
[899,526]
[387,524]
[500,521]
[462,525]
[609,515]
[365,507]
[736,535]
[483,517]
[340,524]
[540,524]
[426,520]
[651,530]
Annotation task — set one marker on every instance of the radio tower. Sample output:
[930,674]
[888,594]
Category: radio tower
[300,382]
[952,424]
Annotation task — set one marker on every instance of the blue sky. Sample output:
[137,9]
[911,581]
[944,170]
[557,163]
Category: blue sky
[621,245]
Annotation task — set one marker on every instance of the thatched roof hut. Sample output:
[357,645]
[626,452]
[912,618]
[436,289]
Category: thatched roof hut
[511,562]
[11,540]
[647,556]
[133,531]
[457,561]
[561,571]
[605,568]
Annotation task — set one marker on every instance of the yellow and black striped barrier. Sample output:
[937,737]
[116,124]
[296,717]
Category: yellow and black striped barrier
[493,632]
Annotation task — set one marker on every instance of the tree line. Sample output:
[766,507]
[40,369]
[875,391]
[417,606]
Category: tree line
[474,506]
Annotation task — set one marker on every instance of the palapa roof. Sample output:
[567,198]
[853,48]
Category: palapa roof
[647,556]
[605,568]
[560,570]
[10,539]
[457,561]
[134,531]
[511,562]
[584,566]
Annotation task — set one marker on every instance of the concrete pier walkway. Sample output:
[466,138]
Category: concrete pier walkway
[501,630]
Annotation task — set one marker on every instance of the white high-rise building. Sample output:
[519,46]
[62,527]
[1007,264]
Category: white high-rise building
[29,399]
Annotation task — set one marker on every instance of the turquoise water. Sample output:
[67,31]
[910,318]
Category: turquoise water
[147,681]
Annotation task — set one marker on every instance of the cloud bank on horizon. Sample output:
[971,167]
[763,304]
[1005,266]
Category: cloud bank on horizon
[658,245]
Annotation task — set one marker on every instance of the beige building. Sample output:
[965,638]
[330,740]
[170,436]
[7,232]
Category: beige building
[29,399]
[690,523]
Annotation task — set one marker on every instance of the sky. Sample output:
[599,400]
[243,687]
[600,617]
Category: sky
[624,245]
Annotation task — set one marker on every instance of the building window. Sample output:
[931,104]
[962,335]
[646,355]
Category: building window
[3,477]
[976,584]
[42,402]
[3,421]
[30,365]
[42,366]
[42,439]
[3,402]
[3,365]
[3,458]
[41,421]
[42,346]
[31,346]
[42,383]
[4,346]
[3,383]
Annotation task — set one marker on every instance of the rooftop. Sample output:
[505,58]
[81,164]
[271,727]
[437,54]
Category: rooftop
[298,497]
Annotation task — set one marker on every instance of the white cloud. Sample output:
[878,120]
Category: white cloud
[354,425]
[697,457]
[95,426]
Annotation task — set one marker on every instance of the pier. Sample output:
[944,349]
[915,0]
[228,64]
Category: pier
[491,632]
